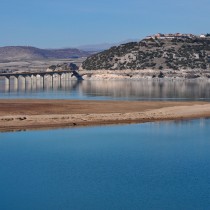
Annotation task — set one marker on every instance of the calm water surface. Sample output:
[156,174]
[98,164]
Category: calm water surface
[103,90]
[145,166]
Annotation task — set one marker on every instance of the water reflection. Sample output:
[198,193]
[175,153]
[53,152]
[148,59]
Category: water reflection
[119,90]
[148,90]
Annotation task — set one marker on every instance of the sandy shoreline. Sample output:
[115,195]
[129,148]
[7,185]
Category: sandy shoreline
[44,114]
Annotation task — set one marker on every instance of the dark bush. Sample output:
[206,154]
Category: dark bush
[161,75]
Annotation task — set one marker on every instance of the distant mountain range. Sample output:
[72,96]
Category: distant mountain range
[32,53]
[17,53]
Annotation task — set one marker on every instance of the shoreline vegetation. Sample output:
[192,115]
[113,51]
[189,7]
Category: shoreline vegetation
[29,114]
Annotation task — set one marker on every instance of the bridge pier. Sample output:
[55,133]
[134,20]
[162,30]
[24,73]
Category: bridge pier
[64,80]
[60,80]
[21,86]
[7,84]
[32,81]
[37,81]
[42,81]
[7,80]
[52,79]
[24,79]
[15,83]
[62,76]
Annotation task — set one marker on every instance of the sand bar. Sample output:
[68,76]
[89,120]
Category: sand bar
[27,114]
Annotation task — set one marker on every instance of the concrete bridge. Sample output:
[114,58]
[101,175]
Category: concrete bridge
[74,73]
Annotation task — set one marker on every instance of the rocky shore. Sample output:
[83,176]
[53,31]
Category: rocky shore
[145,74]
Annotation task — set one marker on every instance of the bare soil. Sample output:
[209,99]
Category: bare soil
[29,114]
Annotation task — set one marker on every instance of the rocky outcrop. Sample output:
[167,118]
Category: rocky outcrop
[64,66]
[178,53]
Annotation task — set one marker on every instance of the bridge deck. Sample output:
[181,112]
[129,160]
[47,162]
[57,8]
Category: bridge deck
[34,73]
[42,74]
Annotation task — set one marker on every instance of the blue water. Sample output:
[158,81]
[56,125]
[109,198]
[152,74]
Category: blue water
[144,166]
[109,90]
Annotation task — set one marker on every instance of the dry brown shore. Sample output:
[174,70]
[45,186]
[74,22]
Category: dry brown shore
[30,114]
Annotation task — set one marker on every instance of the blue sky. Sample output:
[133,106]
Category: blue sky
[66,23]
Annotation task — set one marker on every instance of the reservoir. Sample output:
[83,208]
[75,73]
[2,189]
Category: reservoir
[143,166]
[107,89]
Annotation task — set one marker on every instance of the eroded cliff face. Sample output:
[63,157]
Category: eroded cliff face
[157,54]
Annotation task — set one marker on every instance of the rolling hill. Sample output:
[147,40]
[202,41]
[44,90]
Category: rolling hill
[173,51]
[12,53]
